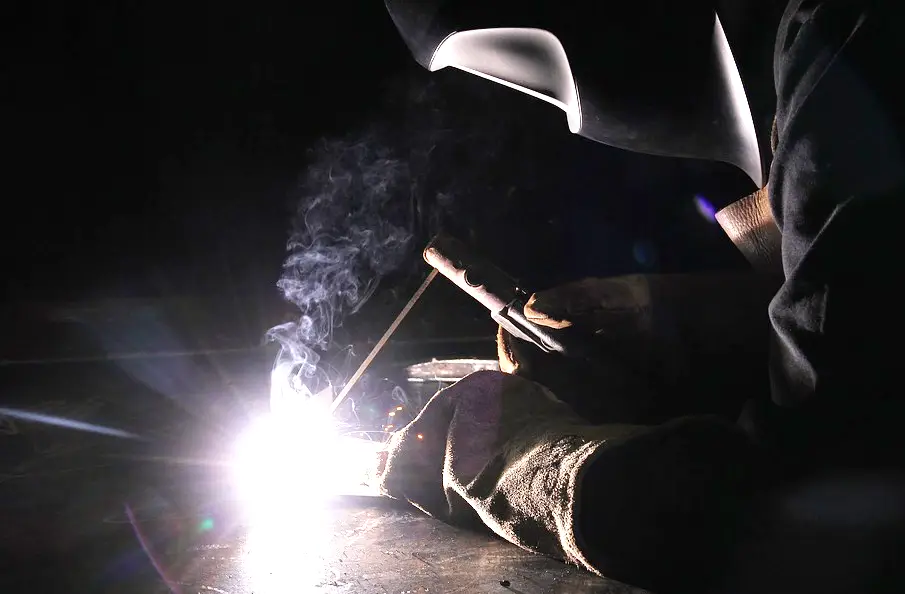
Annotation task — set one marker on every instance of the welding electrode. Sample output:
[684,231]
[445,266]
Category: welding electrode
[500,294]
[383,340]
[505,300]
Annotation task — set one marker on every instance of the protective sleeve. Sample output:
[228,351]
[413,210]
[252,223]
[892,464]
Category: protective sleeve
[631,503]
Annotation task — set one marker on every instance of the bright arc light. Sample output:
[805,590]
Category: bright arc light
[287,465]
[277,464]
[283,464]
[286,469]
[292,457]
[291,465]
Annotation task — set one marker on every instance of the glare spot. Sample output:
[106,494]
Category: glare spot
[644,253]
[420,436]
[705,208]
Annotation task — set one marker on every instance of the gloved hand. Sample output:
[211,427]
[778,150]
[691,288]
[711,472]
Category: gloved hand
[686,344]
[630,502]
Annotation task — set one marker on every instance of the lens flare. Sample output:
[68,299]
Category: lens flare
[705,209]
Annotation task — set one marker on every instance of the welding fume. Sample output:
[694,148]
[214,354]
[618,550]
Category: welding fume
[656,429]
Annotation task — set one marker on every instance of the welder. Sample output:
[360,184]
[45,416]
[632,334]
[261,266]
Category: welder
[803,98]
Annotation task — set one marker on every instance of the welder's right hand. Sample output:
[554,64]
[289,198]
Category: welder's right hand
[669,344]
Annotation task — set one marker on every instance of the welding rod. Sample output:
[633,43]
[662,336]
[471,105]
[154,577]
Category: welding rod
[383,340]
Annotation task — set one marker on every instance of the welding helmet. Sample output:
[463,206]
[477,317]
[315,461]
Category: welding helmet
[650,76]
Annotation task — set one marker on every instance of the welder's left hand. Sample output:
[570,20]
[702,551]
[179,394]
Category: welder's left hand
[502,451]
[461,430]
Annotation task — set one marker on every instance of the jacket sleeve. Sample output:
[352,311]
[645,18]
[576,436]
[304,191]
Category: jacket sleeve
[836,189]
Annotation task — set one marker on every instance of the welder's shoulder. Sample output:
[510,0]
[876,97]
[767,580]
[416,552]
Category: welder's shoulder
[838,96]
[811,29]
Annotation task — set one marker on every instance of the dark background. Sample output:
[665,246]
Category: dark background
[154,151]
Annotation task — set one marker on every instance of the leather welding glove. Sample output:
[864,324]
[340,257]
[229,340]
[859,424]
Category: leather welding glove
[630,502]
[682,344]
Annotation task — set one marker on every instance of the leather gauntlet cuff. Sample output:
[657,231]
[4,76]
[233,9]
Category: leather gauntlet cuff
[750,225]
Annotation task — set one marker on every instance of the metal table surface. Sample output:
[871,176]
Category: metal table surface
[97,513]
[362,548]
[353,545]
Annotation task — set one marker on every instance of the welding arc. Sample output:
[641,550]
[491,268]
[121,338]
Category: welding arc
[383,340]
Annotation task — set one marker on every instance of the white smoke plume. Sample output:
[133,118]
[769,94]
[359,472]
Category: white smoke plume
[367,203]
[351,228]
